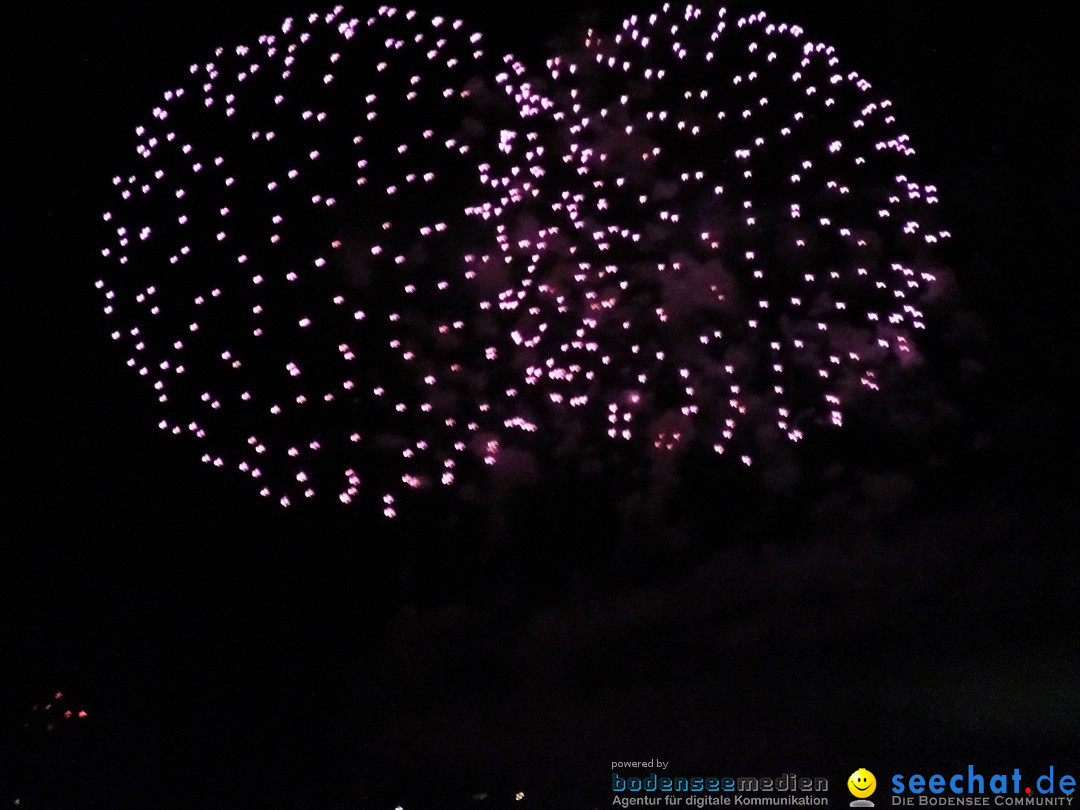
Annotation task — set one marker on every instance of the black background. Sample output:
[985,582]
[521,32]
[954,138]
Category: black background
[232,655]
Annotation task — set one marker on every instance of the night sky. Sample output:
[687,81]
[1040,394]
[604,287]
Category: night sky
[918,613]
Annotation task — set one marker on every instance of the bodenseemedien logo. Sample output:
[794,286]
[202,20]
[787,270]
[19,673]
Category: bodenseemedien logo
[653,790]
[862,785]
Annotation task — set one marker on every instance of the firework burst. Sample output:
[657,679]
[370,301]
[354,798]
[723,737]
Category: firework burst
[362,257]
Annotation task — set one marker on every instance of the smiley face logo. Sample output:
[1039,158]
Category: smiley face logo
[861,783]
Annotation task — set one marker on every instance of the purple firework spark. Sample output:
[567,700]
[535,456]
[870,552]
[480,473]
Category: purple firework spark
[287,255]
[724,235]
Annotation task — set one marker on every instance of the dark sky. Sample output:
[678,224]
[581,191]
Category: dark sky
[146,583]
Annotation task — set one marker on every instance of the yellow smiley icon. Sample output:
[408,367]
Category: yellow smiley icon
[861,783]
